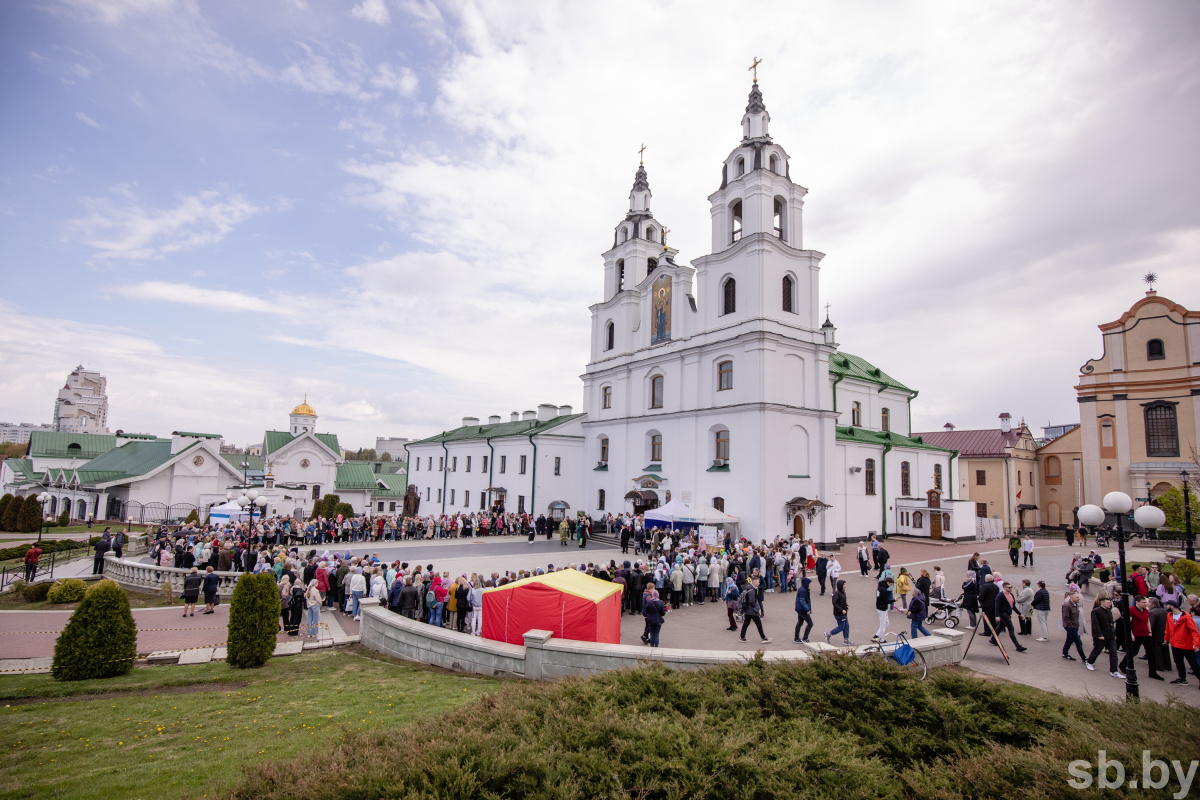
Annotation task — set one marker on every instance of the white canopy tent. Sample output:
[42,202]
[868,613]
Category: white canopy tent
[226,513]
[705,514]
[668,513]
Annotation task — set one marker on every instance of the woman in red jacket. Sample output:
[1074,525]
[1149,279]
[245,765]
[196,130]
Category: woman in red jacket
[1183,637]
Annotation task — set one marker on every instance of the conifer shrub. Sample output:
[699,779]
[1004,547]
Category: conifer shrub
[31,515]
[4,502]
[36,592]
[11,520]
[100,640]
[193,516]
[64,519]
[70,590]
[345,509]
[253,621]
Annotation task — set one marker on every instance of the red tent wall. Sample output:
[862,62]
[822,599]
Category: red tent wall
[507,615]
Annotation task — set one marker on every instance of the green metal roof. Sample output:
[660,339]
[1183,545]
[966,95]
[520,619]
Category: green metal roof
[133,459]
[196,435]
[273,441]
[56,444]
[851,366]
[353,475]
[525,427]
[235,460]
[396,483]
[93,476]
[138,436]
[882,438]
[23,469]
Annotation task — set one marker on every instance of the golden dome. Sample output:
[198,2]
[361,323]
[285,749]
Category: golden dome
[304,409]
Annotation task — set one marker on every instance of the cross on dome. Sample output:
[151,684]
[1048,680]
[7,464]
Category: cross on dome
[754,68]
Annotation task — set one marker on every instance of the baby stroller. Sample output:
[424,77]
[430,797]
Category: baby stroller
[1102,538]
[945,609]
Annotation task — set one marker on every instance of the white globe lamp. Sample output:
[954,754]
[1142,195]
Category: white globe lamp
[1118,502]
[1150,517]
[1091,515]
[261,502]
[252,494]
[243,501]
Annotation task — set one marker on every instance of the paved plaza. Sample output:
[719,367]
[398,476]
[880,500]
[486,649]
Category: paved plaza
[31,634]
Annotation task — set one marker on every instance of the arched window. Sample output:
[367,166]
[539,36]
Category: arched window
[724,376]
[886,419]
[917,518]
[736,210]
[606,397]
[610,333]
[620,274]
[937,478]
[856,414]
[624,234]
[1155,350]
[719,503]
[656,448]
[603,449]
[729,296]
[789,290]
[1053,467]
[722,451]
[945,522]
[869,475]
[651,265]
[600,500]
[778,217]
[739,169]
[905,480]
[1162,431]
[656,391]
[650,233]
[775,164]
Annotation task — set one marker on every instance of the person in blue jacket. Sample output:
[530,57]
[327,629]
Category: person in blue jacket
[654,611]
[803,611]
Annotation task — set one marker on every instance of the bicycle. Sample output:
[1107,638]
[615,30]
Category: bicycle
[901,654]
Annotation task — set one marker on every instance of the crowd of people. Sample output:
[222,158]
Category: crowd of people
[673,569]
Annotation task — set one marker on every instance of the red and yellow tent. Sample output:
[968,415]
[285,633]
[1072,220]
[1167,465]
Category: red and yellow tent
[568,603]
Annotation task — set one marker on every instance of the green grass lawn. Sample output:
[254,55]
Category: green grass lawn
[11,601]
[164,732]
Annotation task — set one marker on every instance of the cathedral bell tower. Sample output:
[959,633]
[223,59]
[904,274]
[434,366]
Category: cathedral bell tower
[639,241]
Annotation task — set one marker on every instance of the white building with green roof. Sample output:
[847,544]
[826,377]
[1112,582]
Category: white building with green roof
[717,383]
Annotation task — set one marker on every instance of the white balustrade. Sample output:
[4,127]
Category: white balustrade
[141,577]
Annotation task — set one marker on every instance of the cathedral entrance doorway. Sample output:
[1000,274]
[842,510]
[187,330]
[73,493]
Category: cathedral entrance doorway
[935,525]
[798,526]
[643,500]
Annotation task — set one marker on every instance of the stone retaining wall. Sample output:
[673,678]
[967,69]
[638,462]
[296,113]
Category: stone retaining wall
[544,657]
[141,577]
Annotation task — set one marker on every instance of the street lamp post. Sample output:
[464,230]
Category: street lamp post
[1149,517]
[1187,517]
[42,498]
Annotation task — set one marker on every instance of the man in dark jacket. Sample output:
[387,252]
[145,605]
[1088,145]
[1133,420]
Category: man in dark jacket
[822,571]
[409,602]
[1041,605]
[752,609]
[655,612]
[916,613]
[882,555]
[1070,623]
[1156,653]
[803,611]
[1004,612]
[841,612]
[987,602]
[102,547]
[1103,638]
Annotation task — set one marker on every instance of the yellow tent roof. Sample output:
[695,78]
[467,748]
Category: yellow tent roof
[570,581]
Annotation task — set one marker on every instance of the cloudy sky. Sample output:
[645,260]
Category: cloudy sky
[398,206]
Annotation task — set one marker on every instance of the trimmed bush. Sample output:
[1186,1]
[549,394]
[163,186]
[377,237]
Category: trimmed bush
[328,503]
[31,515]
[47,545]
[4,501]
[100,640]
[36,592]
[12,515]
[253,621]
[64,519]
[345,509]
[1187,571]
[69,591]
[193,516]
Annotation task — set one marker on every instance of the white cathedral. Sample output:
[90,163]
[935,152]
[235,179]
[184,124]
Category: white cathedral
[716,383]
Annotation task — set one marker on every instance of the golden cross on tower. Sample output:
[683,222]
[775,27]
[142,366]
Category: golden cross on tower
[827,311]
[666,230]
[754,68]
[641,150]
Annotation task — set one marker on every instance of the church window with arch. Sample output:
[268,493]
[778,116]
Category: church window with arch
[609,335]
[775,164]
[739,168]
[778,217]
[886,419]
[724,376]
[604,449]
[656,391]
[606,397]
[729,296]
[1162,430]
[620,274]
[722,444]
[869,476]
[650,233]
[905,479]
[1155,351]
[937,477]
[736,230]
[789,291]
[656,448]
[856,414]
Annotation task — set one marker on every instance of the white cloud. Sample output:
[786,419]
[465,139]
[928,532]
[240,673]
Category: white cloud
[403,81]
[216,300]
[375,11]
[129,231]
[86,120]
[112,12]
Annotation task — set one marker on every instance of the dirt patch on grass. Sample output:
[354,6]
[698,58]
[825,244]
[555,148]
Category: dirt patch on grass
[195,688]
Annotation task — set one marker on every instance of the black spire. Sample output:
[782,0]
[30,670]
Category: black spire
[756,102]
[639,180]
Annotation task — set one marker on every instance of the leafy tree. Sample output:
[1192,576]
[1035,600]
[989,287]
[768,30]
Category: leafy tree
[386,457]
[100,639]
[31,515]
[253,621]
[1171,502]
[4,503]
[13,450]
